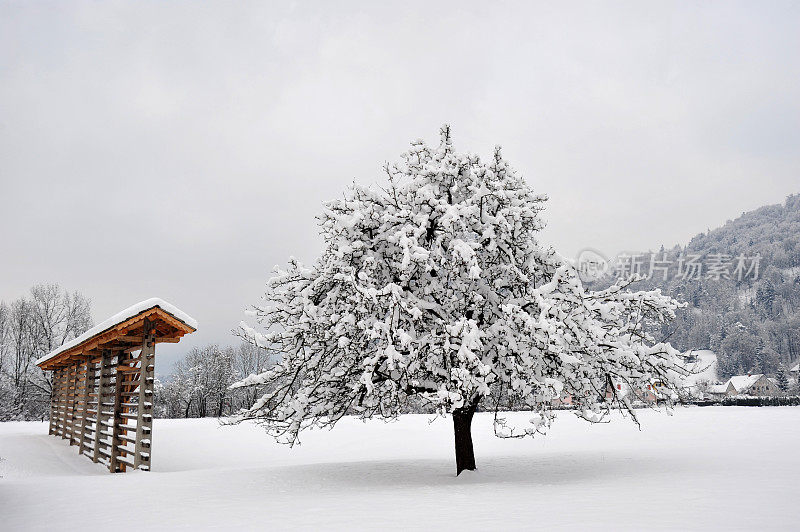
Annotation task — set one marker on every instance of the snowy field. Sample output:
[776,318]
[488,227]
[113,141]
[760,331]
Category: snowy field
[701,469]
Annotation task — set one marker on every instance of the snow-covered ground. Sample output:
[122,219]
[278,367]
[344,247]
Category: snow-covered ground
[709,468]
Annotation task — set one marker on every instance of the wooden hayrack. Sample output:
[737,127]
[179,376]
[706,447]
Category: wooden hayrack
[102,399]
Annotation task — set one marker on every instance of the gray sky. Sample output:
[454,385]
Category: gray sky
[181,150]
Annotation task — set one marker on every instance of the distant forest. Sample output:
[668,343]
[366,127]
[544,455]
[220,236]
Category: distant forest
[750,319]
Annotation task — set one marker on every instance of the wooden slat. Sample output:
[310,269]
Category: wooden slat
[144,422]
[100,387]
[116,464]
[89,371]
[102,390]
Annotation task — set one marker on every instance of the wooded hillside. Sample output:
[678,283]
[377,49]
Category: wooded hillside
[751,321]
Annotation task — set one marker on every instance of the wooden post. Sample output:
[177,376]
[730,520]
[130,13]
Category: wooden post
[144,418]
[76,404]
[115,465]
[70,406]
[57,393]
[65,402]
[105,361]
[54,403]
[105,384]
[88,378]
[61,405]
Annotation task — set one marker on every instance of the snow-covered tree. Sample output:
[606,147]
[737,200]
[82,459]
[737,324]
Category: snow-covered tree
[200,383]
[436,286]
[783,379]
[249,360]
[31,327]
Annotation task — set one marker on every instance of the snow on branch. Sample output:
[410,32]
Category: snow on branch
[436,286]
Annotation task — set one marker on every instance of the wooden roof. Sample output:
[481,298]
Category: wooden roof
[125,334]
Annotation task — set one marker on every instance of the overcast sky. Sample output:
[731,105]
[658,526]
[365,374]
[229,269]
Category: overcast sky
[181,150]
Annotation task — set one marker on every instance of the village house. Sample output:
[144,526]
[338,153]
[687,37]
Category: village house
[563,400]
[718,391]
[649,394]
[755,385]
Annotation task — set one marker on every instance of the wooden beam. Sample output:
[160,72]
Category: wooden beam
[85,403]
[156,315]
[175,322]
[124,338]
[162,340]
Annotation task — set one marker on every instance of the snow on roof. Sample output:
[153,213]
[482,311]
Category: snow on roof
[718,388]
[795,368]
[743,382]
[118,318]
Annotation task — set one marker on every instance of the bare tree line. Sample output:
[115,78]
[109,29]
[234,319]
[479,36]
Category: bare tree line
[30,327]
[200,382]
[49,316]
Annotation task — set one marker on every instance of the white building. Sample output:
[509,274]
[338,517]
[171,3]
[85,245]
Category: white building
[721,390]
[756,385]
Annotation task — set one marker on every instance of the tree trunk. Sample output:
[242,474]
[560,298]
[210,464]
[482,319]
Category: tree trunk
[462,427]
